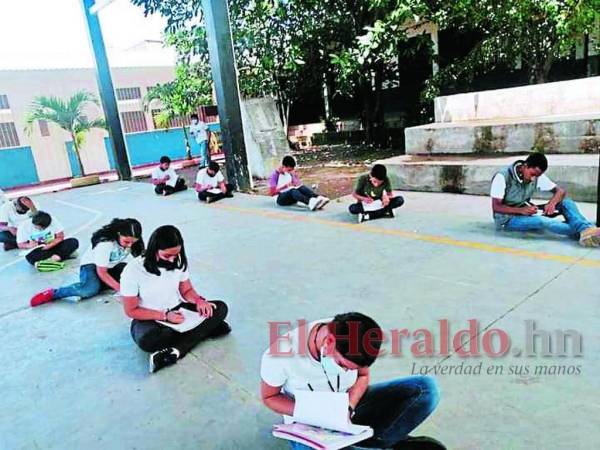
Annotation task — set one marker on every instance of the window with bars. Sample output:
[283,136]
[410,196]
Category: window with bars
[8,135]
[4,102]
[44,128]
[133,121]
[129,93]
[178,122]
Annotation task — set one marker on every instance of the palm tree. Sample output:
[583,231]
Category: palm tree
[173,107]
[68,115]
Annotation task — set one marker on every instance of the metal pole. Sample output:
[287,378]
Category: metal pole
[107,92]
[220,47]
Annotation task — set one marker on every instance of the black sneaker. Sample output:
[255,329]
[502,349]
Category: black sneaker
[163,358]
[419,443]
[222,329]
[391,214]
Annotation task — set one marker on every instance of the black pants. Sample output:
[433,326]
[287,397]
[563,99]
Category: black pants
[65,249]
[8,239]
[164,189]
[302,194]
[152,336]
[395,202]
[203,195]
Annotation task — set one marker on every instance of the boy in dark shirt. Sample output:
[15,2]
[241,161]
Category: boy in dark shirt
[374,195]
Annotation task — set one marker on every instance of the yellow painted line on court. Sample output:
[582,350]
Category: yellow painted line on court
[441,240]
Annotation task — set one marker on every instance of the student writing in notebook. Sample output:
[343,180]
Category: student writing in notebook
[101,265]
[158,295]
[44,236]
[286,185]
[210,184]
[323,358]
[165,179]
[374,195]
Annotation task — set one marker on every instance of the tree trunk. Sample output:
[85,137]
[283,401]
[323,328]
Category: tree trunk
[188,148]
[77,155]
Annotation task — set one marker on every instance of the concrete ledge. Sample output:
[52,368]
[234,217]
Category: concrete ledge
[531,101]
[568,134]
[576,173]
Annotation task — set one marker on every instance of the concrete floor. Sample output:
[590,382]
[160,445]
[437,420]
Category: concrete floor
[71,378]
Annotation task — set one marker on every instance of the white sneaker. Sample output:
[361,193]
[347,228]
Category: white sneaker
[322,201]
[362,217]
[312,203]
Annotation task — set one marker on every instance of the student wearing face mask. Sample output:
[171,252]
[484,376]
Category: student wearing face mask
[12,214]
[334,355]
[158,295]
[44,236]
[102,264]
[199,131]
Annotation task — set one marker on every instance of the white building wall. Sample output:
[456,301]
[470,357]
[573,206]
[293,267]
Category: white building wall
[22,86]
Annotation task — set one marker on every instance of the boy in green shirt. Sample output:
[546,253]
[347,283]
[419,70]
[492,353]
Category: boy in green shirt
[374,195]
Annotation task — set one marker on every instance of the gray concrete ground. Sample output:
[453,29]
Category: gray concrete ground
[71,378]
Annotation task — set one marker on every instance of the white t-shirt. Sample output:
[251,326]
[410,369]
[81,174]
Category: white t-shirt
[199,131]
[297,371]
[105,254]
[204,178]
[9,215]
[155,292]
[283,179]
[498,188]
[28,232]
[159,174]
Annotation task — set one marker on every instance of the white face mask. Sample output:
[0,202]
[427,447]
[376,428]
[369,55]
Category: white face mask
[330,367]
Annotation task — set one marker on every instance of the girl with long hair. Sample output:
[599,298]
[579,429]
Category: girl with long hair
[169,317]
[102,264]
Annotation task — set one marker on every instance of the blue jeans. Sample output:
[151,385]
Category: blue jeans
[393,409]
[89,282]
[574,222]
[203,146]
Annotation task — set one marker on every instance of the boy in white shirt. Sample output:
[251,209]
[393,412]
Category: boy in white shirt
[46,237]
[199,131]
[165,179]
[335,355]
[210,184]
[12,213]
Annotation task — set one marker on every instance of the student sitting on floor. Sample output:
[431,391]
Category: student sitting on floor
[102,264]
[375,196]
[210,184]
[45,236]
[286,185]
[165,179]
[511,192]
[334,355]
[169,317]
[12,213]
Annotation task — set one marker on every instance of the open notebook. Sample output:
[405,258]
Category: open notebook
[321,421]
[192,320]
[375,205]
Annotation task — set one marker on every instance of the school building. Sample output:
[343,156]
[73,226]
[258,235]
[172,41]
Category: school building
[46,153]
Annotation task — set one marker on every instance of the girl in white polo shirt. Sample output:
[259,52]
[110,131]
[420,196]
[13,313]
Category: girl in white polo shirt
[101,265]
[169,316]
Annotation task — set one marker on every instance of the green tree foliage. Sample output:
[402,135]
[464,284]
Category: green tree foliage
[182,96]
[68,115]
